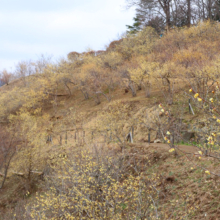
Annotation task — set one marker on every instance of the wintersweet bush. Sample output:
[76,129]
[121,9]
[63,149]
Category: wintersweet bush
[86,187]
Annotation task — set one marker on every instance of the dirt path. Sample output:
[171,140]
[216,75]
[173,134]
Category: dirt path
[166,147]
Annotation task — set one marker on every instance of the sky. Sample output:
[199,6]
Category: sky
[30,28]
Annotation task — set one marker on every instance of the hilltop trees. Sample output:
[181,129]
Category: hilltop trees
[147,9]
[162,14]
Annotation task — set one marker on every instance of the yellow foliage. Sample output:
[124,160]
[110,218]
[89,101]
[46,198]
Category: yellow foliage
[88,188]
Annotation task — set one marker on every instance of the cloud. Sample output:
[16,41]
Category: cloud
[30,28]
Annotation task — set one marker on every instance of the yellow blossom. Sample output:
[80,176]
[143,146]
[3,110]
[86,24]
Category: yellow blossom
[190,90]
[209,138]
[171,150]
[162,110]
[196,95]
[200,158]
[200,152]
[213,134]
[211,100]
[207,172]
[199,99]
[165,138]
[191,168]
[168,133]
[168,141]
[218,120]
[160,106]
[214,117]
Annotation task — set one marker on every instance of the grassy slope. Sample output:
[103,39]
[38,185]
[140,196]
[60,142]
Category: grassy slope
[186,189]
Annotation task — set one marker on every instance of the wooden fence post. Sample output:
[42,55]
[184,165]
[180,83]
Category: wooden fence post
[131,138]
[61,139]
[66,138]
[172,141]
[49,139]
[190,108]
[132,133]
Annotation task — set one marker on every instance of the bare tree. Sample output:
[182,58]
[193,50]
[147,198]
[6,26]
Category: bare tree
[148,9]
[7,152]
[42,63]
[23,69]
[174,12]
[188,13]
[5,77]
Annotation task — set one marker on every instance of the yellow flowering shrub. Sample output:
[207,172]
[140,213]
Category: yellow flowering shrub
[85,187]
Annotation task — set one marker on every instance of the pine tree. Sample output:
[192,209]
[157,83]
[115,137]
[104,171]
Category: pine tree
[135,27]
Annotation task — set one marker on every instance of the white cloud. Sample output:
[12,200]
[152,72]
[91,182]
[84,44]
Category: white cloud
[27,32]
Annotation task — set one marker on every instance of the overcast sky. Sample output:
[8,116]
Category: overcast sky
[29,28]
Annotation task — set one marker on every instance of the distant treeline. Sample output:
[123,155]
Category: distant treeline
[162,14]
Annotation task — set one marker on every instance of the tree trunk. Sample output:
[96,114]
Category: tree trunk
[209,9]
[188,13]
[133,89]
[85,93]
[97,99]
[203,10]
[167,12]
[6,169]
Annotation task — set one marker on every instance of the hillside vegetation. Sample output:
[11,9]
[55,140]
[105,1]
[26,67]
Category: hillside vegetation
[75,134]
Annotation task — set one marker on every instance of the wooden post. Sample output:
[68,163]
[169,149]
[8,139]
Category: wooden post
[131,138]
[61,139]
[172,140]
[84,134]
[205,148]
[132,133]
[189,106]
[206,151]
[49,139]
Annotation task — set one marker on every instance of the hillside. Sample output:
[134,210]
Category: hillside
[75,135]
